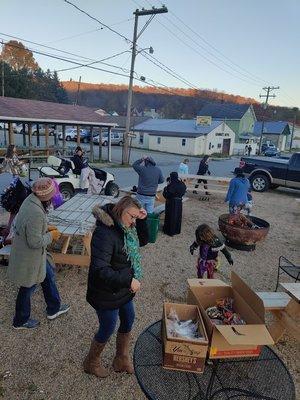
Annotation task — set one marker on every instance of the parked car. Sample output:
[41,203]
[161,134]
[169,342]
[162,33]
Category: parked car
[116,138]
[267,172]
[271,152]
[71,134]
[266,146]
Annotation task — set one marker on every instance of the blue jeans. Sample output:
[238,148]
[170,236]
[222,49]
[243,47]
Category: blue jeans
[147,202]
[51,295]
[108,321]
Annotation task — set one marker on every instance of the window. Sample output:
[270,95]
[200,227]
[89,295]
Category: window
[158,140]
[183,142]
[219,134]
[209,146]
[141,138]
[219,145]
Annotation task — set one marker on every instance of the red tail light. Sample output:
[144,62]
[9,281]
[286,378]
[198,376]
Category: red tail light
[242,164]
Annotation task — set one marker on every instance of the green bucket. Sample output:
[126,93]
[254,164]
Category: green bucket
[153,225]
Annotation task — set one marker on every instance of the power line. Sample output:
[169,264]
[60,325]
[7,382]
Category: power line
[90,31]
[215,49]
[94,62]
[97,20]
[47,47]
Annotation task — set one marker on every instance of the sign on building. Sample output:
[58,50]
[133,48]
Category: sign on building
[203,120]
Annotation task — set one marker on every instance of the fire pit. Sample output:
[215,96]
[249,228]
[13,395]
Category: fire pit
[243,238]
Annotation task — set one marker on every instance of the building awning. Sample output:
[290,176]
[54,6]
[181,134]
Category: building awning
[44,112]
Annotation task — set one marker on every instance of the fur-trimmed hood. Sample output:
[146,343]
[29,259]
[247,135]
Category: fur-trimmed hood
[104,214]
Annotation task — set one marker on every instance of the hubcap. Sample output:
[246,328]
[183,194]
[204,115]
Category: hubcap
[259,183]
[65,195]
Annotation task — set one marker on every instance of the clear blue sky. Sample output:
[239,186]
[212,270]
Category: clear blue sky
[260,36]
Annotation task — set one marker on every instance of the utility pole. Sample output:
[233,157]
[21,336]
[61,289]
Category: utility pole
[2,70]
[267,96]
[78,91]
[137,14]
[295,109]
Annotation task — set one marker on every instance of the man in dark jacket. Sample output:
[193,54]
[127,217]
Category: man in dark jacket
[149,178]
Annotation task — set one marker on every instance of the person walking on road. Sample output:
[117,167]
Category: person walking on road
[29,263]
[150,176]
[203,170]
[184,167]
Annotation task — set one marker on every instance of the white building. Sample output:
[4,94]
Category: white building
[184,136]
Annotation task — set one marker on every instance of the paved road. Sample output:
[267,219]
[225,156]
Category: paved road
[126,176]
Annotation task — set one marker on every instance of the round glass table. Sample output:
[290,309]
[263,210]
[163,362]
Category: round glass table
[265,377]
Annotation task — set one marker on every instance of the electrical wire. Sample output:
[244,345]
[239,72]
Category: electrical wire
[94,62]
[97,20]
[91,31]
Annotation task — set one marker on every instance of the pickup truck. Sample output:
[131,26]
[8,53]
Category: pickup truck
[269,173]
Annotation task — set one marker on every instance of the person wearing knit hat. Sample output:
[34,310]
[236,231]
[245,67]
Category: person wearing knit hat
[29,263]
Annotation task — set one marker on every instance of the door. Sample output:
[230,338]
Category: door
[293,172]
[226,147]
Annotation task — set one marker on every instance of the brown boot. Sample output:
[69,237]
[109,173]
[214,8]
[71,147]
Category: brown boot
[91,363]
[122,362]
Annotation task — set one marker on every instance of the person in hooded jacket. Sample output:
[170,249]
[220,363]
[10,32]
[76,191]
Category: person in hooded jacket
[173,193]
[203,169]
[114,277]
[78,160]
[237,194]
[149,178]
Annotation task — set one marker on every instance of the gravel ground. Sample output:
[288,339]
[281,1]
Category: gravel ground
[45,364]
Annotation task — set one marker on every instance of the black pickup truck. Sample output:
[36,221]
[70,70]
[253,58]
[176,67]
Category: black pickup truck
[269,173]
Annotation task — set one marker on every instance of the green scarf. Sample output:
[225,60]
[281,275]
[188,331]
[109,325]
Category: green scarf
[132,247]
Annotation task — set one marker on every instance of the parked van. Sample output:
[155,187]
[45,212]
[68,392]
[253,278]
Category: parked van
[116,138]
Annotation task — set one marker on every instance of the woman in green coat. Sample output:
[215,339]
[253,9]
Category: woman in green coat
[28,263]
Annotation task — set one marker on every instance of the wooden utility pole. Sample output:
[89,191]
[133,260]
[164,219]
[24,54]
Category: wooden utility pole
[295,109]
[267,96]
[11,139]
[2,71]
[78,92]
[137,14]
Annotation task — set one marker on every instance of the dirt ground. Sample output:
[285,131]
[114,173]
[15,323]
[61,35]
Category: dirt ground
[45,364]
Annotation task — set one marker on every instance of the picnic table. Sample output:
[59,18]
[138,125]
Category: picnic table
[74,220]
[265,377]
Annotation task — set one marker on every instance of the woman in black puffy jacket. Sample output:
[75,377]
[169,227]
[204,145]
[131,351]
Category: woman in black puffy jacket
[114,278]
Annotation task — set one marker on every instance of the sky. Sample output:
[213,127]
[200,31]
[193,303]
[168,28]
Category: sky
[235,46]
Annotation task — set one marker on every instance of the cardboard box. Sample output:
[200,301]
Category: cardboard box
[184,354]
[231,341]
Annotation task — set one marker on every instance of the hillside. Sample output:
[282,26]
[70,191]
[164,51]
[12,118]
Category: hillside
[170,103]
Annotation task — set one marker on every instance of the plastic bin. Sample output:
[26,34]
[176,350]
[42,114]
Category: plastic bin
[153,225]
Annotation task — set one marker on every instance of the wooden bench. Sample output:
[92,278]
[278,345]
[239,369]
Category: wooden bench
[215,184]
[286,311]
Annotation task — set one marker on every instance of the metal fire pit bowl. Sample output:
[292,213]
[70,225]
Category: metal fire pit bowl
[243,238]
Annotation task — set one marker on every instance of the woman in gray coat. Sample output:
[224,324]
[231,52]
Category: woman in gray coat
[28,263]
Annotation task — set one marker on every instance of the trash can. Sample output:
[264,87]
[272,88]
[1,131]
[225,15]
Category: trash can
[153,225]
